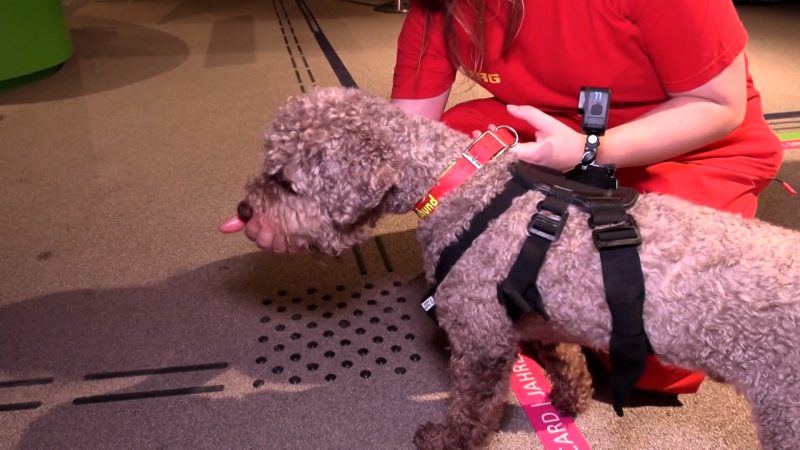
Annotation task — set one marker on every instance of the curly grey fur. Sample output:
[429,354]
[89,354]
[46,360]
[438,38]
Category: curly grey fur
[722,291]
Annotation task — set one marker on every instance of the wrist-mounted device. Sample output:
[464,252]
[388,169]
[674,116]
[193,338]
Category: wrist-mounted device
[593,106]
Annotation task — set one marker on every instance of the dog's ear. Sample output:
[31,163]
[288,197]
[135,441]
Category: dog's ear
[383,179]
[303,176]
[365,205]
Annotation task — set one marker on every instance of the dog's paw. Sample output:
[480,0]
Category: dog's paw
[431,436]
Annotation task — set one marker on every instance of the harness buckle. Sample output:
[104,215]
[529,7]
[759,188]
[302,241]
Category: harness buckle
[625,234]
[547,226]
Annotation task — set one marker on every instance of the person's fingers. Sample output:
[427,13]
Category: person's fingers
[531,152]
[535,117]
[253,228]
[292,248]
[265,239]
[232,225]
[477,133]
[527,149]
[279,244]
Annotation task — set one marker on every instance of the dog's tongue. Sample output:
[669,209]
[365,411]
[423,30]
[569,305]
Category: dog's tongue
[244,212]
[232,225]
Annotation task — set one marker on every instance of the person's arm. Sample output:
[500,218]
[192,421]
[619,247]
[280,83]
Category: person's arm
[685,122]
[432,108]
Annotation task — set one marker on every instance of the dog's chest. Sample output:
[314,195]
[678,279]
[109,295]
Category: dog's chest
[571,269]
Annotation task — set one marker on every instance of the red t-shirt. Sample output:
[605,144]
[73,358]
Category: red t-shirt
[640,49]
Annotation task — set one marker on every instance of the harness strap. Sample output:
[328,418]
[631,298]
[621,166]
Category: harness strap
[450,255]
[617,238]
[518,292]
[478,225]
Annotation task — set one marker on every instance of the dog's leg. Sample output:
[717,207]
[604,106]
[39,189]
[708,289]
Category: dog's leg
[483,349]
[479,387]
[776,411]
[569,375]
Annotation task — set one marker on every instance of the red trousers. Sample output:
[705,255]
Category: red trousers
[699,183]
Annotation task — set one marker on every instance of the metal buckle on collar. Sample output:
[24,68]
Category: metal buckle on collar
[474,161]
[624,234]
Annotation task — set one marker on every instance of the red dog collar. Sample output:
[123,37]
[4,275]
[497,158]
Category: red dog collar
[483,149]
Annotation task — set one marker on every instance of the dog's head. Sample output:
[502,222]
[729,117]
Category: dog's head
[328,166]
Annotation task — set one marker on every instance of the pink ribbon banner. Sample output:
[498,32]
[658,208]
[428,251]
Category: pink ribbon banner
[790,141]
[793,144]
[532,389]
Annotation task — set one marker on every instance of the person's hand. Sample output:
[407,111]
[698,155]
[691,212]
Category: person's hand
[258,230]
[477,133]
[557,145]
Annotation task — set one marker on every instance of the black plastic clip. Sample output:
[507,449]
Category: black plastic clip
[625,234]
[547,226]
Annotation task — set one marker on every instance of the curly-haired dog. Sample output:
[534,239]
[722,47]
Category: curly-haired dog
[723,292]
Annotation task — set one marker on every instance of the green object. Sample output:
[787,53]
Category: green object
[34,40]
[789,136]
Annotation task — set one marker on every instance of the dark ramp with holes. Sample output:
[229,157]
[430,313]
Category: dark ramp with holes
[259,350]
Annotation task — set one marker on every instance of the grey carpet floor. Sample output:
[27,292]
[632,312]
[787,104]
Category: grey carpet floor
[127,321]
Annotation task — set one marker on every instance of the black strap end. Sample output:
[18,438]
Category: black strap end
[518,304]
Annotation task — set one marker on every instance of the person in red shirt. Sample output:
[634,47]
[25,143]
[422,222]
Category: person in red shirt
[685,116]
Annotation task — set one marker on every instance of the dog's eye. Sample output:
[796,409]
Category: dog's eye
[284,183]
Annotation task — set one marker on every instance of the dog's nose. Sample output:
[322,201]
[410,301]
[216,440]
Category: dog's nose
[244,211]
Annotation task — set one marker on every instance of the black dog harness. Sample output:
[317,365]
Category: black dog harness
[615,236]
